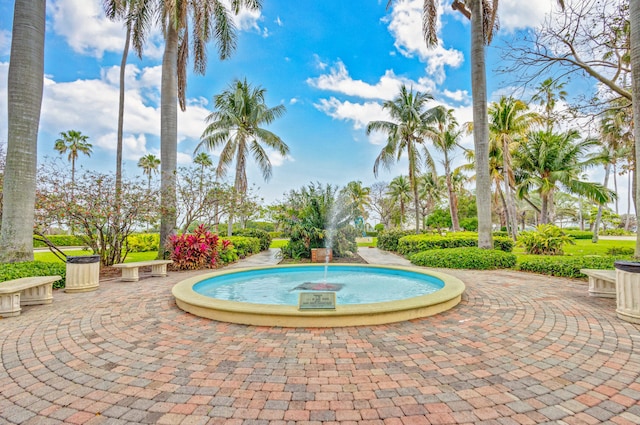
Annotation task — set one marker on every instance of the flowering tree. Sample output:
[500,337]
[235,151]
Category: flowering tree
[93,211]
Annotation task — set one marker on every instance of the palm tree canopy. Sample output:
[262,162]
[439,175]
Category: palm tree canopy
[548,160]
[203,159]
[237,126]
[149,164]
[74,142]
[210,19]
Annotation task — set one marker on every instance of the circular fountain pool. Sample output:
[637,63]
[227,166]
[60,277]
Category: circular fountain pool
[364,295]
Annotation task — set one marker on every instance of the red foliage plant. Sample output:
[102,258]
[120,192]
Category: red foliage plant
[193,251]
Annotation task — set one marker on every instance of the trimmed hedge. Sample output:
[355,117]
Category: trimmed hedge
[262,235]
[143,242]
[578,234]
[413,244]
[244,245]
[567,266]
[388,239]
[465,258]
[10,271]
[61,240]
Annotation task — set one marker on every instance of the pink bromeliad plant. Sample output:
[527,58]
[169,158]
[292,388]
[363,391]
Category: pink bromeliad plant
[197,250]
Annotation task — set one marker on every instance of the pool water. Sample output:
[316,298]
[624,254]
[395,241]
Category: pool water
[352,284]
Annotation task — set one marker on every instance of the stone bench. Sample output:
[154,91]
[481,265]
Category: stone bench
[602,283]
[130,270]
[25,291]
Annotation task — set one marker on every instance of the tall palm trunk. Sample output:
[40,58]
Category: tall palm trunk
[596,225]
[453,199]
[123,65]
[480,125]
[168,137]
[25,82]
[634,19]
[510,200]
[414,185]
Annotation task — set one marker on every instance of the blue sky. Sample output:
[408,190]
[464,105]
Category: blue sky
[331,63]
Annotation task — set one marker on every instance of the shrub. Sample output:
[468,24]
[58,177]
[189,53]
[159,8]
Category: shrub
[276,235]
[579,234]
[344,242]
[616,232]
[262,235]
[60,240]
[470,224]
[547,239]
[295,250]
[503,243]
[416,243]
[379,227]
[245,245]
[9,271]
[143,242]
[620,250]
[193,251]
[388,239]
[227,252]
[465,258]
[567,266]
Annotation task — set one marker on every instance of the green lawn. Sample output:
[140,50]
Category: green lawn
[586,247]
[278,243]
[49,257]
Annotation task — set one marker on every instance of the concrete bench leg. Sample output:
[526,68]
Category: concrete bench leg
[130,274]
[601,288]
[159,270]
[10,304]
[42,294]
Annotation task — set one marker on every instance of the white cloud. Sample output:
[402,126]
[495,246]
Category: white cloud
[88,31]
[359,113]
[518,14]
[339,80]
[85,27]
[405,25]
[5,42]
[461,96]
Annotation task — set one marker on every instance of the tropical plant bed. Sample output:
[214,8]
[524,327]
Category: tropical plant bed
[356,259]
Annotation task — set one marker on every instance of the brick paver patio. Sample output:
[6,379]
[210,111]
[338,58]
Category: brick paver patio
[519,349]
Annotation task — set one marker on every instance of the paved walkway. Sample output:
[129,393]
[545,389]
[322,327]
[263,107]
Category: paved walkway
[519,349]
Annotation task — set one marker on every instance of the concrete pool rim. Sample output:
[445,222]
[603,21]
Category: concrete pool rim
[344,315]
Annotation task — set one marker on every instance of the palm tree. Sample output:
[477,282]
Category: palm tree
[149,164]
[405,133]
[75,143]
[203,159]
[547,161]
[445,135]
[430,192]
[359,197]
[237,126]
[509,122]
[548,94]
[400,192]
[483,15]
[137,15]
[211,19]
[24,87]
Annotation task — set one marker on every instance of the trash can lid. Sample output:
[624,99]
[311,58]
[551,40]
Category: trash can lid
[83,259]
[627,266]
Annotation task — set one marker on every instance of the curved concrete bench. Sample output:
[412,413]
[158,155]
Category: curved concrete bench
[602,283]
[25,291]
[130,270]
